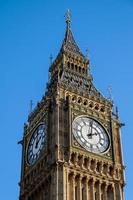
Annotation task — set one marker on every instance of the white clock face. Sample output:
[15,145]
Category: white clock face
[36,144]
[90,134]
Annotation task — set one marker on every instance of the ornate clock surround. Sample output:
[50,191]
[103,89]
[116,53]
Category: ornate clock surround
[99,138]
[105,123]
[32,145]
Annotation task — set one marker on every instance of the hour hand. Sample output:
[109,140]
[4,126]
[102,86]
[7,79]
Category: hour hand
[36,146]
[37,141]
[89,135]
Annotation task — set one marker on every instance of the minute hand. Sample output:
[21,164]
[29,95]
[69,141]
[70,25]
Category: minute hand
[91,134]
[91,127]
[90,131]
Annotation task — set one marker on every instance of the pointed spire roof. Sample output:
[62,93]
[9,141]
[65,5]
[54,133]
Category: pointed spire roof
[69,43]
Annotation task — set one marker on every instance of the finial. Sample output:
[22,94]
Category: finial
[89,69]
[87,53]
[117,112]
[51,59]
[110,92]
[31,106]
[68,18]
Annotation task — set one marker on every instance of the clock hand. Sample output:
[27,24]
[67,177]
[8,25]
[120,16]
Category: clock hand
[37,141]
[90,131]
[36,144]
[94,134]
[91,126]
[89,135]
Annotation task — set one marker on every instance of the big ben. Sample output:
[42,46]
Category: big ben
[71,146]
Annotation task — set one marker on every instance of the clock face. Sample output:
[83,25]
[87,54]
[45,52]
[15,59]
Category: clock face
[36,144]
[90,134]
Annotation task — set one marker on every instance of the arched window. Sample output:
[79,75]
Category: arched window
[102,197]
[72,66]
[96,196]
[90,189]
[68,64]
[77,187]
[98,167]
[85,102]
[70,188]
[76,192]
[83,70]
[83,193]
[110,193]
[76,68]
[86,163]
[111,170]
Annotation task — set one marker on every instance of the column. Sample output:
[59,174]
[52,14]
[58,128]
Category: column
[73,187]
[92,189]
[114,193]
[88,182]
[66,185]
[99,191]
[69,191]
[101,168]
[69,188]
[86,189]
[121,193]
[105,192]
[80,188]
[88,164]
[118,191]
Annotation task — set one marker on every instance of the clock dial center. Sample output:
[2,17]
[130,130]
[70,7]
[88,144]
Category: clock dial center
[91,137]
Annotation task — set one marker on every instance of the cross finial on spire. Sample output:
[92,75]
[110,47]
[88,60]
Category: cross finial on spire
[68,18]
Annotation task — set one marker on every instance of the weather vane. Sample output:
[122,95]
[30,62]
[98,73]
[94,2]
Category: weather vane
[68,18]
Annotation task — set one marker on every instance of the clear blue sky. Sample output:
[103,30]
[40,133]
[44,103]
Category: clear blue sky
[29,32]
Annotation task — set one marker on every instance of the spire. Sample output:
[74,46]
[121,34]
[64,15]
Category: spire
[69,43]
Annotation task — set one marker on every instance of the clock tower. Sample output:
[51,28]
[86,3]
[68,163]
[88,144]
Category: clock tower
[71,146]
